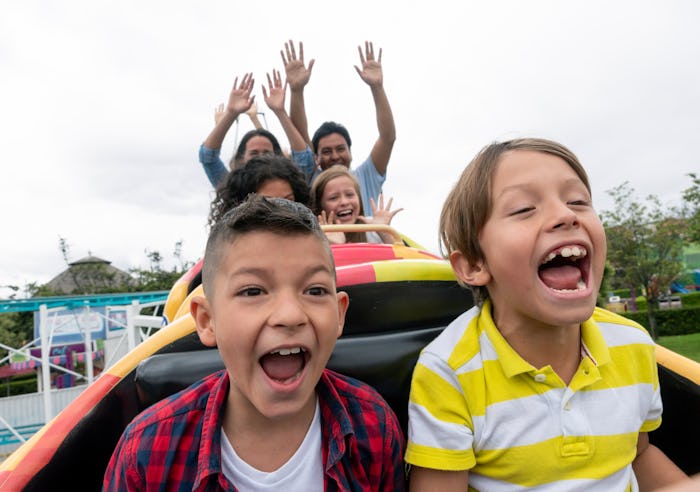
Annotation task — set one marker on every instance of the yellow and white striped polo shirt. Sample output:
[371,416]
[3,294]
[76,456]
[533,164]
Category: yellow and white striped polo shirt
[476,405]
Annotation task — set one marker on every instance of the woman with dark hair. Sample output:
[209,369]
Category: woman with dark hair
[256,142]
[269,175]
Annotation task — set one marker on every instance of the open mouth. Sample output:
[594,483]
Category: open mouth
[284,365]
[344,214]
[565,269]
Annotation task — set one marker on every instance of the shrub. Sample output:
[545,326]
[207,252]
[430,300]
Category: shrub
[691,300]
[623,293]
[670,321]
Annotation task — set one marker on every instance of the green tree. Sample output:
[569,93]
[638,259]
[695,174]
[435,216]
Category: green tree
[156,278]
[645,242]
[691,198]
[16,329]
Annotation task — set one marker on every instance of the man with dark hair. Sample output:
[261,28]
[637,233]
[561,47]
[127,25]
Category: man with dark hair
[331,142]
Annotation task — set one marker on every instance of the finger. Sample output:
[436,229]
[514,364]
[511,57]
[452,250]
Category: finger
[269,81]
[370,50]
[379,58]
[362,56]
[311,65]
[373,205]
[394,213]
[292,50]
[388,204]
[301,52]
[362,219]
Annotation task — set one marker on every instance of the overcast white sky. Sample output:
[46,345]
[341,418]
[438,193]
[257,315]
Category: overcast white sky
[103,105]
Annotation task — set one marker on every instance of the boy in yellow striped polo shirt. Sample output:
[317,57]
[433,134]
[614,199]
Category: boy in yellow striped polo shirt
[534,388]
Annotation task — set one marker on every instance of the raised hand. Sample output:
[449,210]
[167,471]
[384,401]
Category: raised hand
[275,97]
[218,113]
[240,100]
[371,71]
[333,237]
[297,74]
[382,214]
[253,110]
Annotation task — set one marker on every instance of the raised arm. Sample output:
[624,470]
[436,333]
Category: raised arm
[253,115]
[239,101]
[372,74]
[298,76]
[274,98]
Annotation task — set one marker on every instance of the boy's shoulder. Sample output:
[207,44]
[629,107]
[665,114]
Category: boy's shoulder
[460,341]
[617,329]
[180,405]
[348,390]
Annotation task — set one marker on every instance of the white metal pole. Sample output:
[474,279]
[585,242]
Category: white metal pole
[45,369]
[88,349]
[131,325]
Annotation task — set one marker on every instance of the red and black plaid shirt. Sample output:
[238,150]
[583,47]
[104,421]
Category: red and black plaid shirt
[176,443]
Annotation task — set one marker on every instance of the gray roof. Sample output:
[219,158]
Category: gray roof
[89,275]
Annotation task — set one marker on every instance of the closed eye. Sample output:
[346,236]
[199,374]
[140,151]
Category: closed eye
[580,203]
[523,210]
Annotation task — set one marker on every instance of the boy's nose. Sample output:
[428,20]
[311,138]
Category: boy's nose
[564,218]
[288,312]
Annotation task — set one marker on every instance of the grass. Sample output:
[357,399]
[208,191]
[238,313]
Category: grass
[687,345]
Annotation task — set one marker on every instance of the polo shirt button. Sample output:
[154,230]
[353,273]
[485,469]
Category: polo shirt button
[540,378]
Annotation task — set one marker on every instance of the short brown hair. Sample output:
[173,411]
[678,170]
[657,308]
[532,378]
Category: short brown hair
[258,213]
[468,206]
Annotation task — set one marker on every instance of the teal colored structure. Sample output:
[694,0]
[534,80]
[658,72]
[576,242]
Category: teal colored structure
[73,302]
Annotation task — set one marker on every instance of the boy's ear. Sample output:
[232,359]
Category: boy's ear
[467,272]
[203,319]
[343,303]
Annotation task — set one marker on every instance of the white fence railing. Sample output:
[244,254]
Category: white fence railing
[22,415]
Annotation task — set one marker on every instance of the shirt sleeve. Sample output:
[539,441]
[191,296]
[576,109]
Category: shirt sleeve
[393,473]
[440,426]
[122,473]
[304,160]
[652,420]
[370,183]
[213,165]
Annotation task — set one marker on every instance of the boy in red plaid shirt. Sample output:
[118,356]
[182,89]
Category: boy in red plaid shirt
[275,418]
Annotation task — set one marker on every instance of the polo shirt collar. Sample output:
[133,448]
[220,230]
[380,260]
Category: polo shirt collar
[593,344]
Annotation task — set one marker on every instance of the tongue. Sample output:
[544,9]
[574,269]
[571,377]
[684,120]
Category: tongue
[565,277]
[282,367]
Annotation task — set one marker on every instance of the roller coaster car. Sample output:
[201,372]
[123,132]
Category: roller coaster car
[401,297]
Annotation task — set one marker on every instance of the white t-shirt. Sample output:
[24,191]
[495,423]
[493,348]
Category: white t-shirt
[303,471]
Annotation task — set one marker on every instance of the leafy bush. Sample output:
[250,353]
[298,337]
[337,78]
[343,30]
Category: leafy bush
[670,321]
[19,386]
[691,300]
[623,293]
[642,304]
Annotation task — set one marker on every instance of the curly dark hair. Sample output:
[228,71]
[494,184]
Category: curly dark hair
[246,180]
